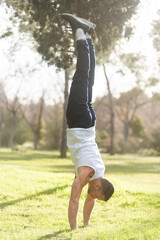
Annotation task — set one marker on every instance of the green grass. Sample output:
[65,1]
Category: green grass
[35,188]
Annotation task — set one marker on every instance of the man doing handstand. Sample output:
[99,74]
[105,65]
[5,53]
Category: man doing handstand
[81,127]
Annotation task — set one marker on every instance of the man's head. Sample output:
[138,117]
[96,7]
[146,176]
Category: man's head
[107,188]
[101,189]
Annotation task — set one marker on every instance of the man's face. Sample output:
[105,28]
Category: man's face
[96,193]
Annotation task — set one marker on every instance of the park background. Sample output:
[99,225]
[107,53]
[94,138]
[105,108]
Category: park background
[37,63]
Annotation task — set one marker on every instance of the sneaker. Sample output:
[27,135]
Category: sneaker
[92,26]
[77,22]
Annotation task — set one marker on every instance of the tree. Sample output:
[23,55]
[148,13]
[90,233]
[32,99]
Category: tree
[33,117]
[48,29]
[2,99]
[112,115]
[52,127]
[10,118]
[135,63]
[13,108]
[63,148]
[1,123]
[156,32]
[126,106]
[156,96]
[137,127]
[154,80]
[156,140]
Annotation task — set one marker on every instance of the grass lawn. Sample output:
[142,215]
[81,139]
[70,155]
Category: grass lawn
[35,188]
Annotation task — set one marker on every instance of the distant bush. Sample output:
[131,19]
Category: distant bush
[155,142]
[148,152]
[52,128]
[102,139]
[23,147]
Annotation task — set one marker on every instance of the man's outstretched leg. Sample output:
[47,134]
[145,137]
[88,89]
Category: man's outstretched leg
[78,111]
[91,77]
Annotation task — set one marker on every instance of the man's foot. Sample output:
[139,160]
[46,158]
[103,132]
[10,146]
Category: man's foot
[77,22]
[92,26]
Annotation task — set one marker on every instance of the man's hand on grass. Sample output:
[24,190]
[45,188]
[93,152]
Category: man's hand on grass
[89,225]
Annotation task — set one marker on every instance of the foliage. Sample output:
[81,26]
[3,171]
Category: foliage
[126,107]
[140,127]
[137,138]
[152,81]
[129,102]
[156,33]
[102,139]
[135,63]
[156,97]
[32,114]
[49,30]
[137,127]
[51,134]
[155,142]
[148,152]
[22,131]
[44,18]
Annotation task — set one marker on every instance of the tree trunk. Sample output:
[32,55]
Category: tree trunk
[111,107]
[1,126]
[36,124]
[63,148]
[36,140]
[125,136]
[0,135]
[11,137]
[37,132]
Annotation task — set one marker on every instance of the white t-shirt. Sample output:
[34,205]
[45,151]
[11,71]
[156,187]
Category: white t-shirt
[84,150]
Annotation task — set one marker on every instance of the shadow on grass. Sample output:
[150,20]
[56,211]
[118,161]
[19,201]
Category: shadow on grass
[27,155]
[127,164]
[55,234]
[30,197]
[65,168]
[16,155]
[126,167]
[133,168]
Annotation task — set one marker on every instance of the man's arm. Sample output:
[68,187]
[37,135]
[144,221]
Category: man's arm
[88,206]
[74,203]
[84,175]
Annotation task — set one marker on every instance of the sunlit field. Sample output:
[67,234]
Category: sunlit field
[35,188]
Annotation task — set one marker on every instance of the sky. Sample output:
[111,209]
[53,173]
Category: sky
[16,68]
